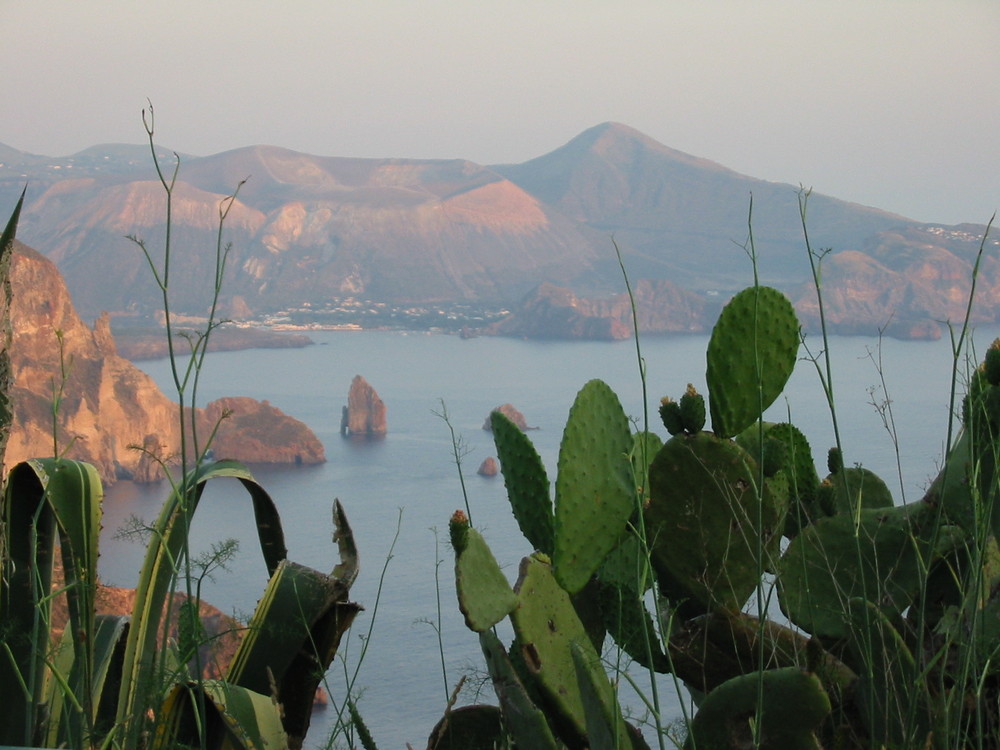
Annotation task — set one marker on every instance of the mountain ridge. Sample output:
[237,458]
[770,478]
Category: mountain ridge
[311,232]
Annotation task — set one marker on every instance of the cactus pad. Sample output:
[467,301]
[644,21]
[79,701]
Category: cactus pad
[595,488]
[751,355]
[880,560]
[525,722]
[484,596]
[546,628]
[702,519]
[794,704]
[526,482]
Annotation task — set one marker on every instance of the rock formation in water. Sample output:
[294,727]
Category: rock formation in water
[488,468]
[511,413]
[364,414]
[107,407]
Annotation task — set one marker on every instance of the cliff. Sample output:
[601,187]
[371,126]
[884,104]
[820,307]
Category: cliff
[552,312]
[104,404]
[364,414]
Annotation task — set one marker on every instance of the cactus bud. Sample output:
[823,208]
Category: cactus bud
[834,461]
[458,528]
[692,410]
[670,413]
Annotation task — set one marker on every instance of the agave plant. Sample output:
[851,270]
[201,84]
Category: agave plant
[122,681]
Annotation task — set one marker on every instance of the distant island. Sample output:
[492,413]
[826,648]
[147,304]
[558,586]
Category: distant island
[150,342]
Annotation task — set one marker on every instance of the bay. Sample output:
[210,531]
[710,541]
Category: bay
[399,492]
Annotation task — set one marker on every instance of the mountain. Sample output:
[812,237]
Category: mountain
[682,218]
[314,233]
[106,405]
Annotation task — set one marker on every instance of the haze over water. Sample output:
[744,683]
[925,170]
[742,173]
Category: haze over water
[410,476]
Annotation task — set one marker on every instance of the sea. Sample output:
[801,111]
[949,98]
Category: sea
[409,648]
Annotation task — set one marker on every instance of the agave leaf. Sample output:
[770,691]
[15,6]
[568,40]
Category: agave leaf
[295,632]
[166,547]
[238,719]
[44,499]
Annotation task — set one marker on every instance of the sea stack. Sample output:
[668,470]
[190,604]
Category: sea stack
[511,413]
[364,414]
[489,467]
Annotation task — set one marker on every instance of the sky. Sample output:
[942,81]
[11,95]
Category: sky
[888,103]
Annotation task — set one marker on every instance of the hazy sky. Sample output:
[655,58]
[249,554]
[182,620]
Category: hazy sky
[889,103]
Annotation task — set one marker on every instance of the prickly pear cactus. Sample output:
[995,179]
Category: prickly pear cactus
[526,482]
[595,487]
[751,355]
[794,705]
[853,488]
[468,727]
[484,596]
[546,628]
[893,700]
[878,556]
[702,521]
[525,722]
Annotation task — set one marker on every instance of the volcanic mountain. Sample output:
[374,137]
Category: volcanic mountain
[308,231]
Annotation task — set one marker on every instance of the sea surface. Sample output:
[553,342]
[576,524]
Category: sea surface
[399,492]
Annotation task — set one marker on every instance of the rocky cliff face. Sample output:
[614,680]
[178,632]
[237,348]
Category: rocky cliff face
[552,312]
[907,283]
[364,414]
[105,405]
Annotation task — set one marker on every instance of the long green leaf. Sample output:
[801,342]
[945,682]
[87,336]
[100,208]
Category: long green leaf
[46,499]
[166,548]
[295,631]
[237,718]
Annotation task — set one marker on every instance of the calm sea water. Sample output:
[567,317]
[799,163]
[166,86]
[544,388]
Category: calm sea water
[408,482]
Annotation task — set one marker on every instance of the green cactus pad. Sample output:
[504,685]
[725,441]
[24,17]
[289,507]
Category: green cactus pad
[802,477]
[880,560]
[858,486]
[702,522]
[595,489]
[468,727]
[484,596]
[751,355]
[525,722]
[606,729]
[526,481]
[951,488]
[794,705]
[546,626]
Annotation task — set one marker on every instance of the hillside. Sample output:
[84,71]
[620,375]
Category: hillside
[107,406]
[315,233]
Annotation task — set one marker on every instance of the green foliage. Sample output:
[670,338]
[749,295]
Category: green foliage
[107,676]
[711,528]
[880,556]
[780,709]
[124,682]
[883,599]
